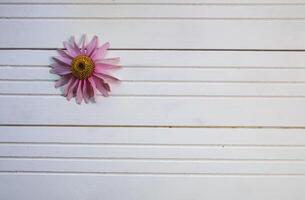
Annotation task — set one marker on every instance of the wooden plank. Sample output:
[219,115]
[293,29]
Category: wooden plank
[170,74]
[152,166]
[154,11]
[154,111]
[158,34]
[138,152]
[152,136]
[185,59]
[167,89]
[79,187]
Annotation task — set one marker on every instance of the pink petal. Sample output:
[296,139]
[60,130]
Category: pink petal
[59,64]
[102,81]
[83,43]
[90,79]
[75,46]
[70,82]
[64,60]
[79,93]
[101,67]
[62,81]
[70,50]
[72,89]
[100,52]
[63,53]
[90,91]
[85,92]
[92,46]
[60,71]
[100,86]
[112,61]
[102,75]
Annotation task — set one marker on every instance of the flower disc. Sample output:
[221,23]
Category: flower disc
[82,67]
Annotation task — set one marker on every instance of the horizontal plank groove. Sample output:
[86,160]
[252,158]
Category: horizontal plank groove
[162,67]
[155,18]
[153,2]
[162,81]
[166,96]
[148,159]
[122,174]
[48,158]
[156,49]
[150,126]
[161,97]
[153,144]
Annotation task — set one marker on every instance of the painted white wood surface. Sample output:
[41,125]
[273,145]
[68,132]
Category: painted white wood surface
[211,104]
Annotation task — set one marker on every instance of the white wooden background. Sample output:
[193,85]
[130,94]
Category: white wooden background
[211,104]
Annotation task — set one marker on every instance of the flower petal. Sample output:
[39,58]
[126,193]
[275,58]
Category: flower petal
[101,67]
[85,91]
[90,91]
[100,52]
[62,81]
[67,88]
[92,46]
[72,89]
[79,93]
[102,75]
[112,61]
[63,60]
[93,85]
[75,46]
[63,53]
[83,43]
[60,71]
[100,86]
[70,49]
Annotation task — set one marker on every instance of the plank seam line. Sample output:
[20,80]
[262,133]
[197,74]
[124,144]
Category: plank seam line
[150,126]
[243,67]
[159,18]
[145,173]
[164,96]
[169,159]
[164,81]
[157,145]
[158,49]
[152,4]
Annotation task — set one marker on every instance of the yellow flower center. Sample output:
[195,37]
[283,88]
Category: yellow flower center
[82,67]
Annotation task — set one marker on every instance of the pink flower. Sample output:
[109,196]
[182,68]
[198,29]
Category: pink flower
[83,69]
